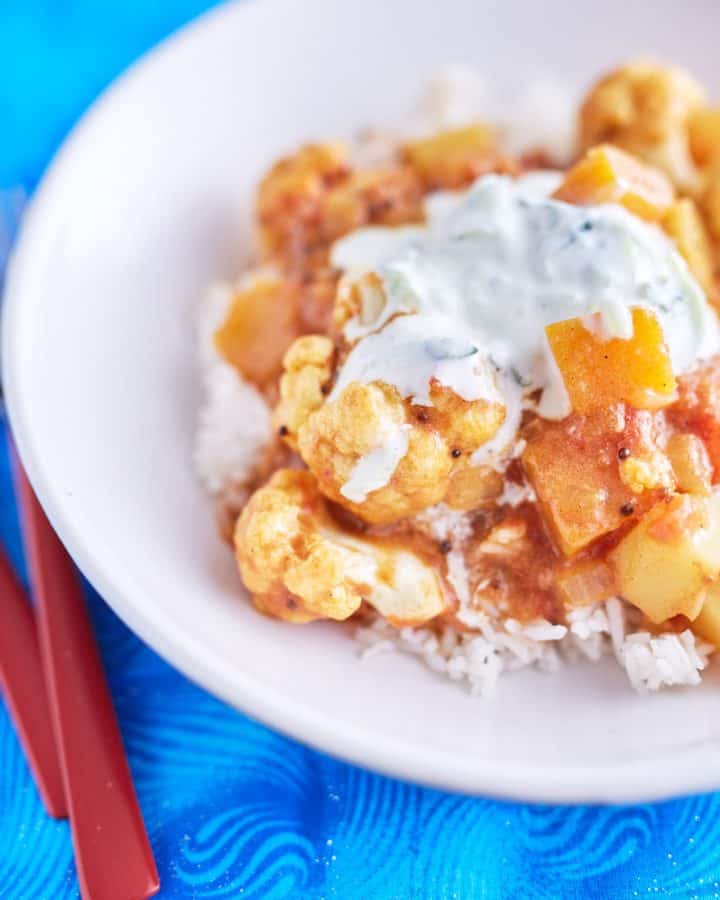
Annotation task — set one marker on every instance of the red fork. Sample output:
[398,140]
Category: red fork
[23,687]
[112,851]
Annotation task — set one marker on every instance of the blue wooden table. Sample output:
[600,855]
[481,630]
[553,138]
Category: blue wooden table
[284,821]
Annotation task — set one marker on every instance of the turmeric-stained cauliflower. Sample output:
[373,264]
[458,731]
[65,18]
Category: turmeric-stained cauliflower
[308,371]
[314,197]
[644,108]
[309,200]
[385,196]
[290,194]
[300,565]
[367,419]
[374,447]
[385,459]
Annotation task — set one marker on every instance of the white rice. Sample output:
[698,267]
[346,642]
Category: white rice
[504,644]
[479,658]
[234,426]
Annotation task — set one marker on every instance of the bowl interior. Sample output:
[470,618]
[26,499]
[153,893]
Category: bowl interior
[149,200]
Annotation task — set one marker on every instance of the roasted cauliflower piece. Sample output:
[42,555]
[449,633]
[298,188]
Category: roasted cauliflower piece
[308,370]
[300,565]
[291,191]
[389,196]
[464,425]
[314,197]
[645,108]
[364,418]
[385,459]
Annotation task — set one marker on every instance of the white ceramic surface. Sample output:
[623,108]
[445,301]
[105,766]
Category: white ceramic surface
[146,202]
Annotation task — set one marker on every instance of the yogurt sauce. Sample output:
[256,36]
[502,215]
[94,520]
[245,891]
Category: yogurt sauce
[375,469]
[490,270]
[411,350]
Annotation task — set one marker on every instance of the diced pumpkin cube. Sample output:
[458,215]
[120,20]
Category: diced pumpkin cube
[452,159]
[259,327]
[704,135]
[707,623]
[573,466]
[665,564]
[609,175]
[598,372]
[684,225]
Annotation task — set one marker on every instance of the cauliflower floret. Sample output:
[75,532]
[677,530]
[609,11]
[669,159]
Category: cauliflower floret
[464,425]
[334,439]
[644,108]
[421,447]
[308,370]
[300,565]
[290,192]
[391,196]
[308,200]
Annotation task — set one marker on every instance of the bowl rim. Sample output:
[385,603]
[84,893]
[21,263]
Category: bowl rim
[682,771]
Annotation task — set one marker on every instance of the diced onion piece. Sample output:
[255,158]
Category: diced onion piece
[584,583]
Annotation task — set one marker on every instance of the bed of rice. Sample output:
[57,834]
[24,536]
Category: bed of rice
[479,658]
[234,426]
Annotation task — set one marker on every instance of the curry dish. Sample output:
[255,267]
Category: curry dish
[494,379]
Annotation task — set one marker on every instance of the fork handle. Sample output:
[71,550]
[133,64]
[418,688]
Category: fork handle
[23,686]
[112,852]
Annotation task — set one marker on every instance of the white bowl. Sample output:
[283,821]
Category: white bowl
[146,202]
